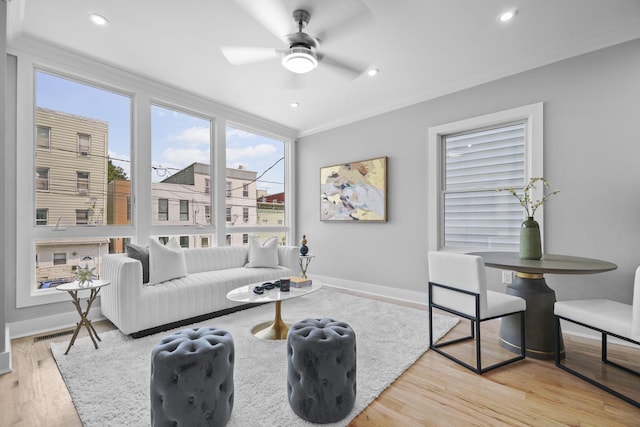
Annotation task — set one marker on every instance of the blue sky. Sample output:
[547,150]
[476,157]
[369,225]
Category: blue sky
[178,139]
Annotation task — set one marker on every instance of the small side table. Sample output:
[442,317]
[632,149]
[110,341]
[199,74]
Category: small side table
[305,260]
[73,288]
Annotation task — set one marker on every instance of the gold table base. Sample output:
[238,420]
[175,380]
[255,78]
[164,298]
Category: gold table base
[274,330]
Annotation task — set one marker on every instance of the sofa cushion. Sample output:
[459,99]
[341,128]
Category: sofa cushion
[141,254]
[265,255]
[166,262]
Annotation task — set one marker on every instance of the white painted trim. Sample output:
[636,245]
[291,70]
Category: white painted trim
[402,295]
[41,325]
[5,356]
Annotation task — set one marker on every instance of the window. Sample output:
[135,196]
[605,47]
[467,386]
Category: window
[82,216]
[204,242]
[279,222]
[128,209]
[228,218]
[84,145]
[43,138]
[163,209]
[469,161]
[245,239]
[163,239]
[59,258]
[42,179]
[228,239]
[184,241]
[256,171]
[82,183]
[42,216]
[207,214]
[180,157]
[207,185]
[184,210]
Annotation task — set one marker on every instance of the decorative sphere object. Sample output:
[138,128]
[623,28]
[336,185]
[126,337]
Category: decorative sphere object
[304,249]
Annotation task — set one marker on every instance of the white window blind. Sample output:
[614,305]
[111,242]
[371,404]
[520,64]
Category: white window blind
[477,163]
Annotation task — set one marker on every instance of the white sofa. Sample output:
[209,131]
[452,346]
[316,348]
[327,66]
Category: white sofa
[139,309]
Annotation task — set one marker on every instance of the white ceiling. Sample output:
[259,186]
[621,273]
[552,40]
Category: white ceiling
[423,48]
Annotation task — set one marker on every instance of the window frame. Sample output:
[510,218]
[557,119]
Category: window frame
[42,179]
[184,210]
[531,114]
[68,65]
[40,147]
[79,189]
[162,211]
[46,216]
[81,152]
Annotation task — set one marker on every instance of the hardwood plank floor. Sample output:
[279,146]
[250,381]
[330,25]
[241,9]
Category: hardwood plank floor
[433,392]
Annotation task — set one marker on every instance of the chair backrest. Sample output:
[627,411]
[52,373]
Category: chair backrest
[635,320]
[465,272]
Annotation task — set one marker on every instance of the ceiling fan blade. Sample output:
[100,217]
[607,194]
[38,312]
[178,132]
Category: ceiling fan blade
[356,19]
[352,68]
[272,14]
[241,55]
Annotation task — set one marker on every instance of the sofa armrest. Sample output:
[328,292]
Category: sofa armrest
[118,300]
[288,257]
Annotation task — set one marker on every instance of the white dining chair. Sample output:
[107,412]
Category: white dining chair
[609,318]
[458,285]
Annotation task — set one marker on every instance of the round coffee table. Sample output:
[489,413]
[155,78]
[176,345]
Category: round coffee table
[276,329]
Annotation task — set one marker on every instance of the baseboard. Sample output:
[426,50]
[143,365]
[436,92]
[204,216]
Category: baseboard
[5,356]
[403,295]
[41,325]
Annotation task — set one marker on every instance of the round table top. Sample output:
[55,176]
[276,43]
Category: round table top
[550,263]
[75,285]
[245,293]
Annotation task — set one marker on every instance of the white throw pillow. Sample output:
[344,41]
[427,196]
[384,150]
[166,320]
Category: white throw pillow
[265,255]
[166,262]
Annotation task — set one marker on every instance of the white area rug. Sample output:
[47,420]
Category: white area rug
[110,386]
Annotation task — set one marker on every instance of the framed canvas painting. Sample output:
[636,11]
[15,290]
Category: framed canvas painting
[355,191]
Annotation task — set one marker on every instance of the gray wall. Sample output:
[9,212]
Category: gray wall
[591,151]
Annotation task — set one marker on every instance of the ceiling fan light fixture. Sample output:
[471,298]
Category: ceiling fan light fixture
[299,60]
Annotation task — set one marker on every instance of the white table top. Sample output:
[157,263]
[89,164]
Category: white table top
[75,285]
[246,294]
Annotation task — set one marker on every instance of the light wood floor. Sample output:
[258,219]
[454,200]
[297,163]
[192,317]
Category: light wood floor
[433,392]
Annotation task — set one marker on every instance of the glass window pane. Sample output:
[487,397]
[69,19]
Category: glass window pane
[255,171]
[88,130]
[180,171]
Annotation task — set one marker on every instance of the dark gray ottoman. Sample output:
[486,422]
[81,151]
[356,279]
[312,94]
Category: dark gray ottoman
[192,378]
[321,378]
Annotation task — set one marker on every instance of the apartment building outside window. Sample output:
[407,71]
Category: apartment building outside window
[163,209]
[184,210]
[84,145]
[82,183]
[43,138]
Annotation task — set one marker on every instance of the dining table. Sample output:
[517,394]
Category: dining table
[530,284]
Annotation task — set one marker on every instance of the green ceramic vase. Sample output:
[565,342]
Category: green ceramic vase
[530,244]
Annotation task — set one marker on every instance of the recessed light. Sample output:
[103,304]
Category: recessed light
[98,19]
[507,15]
[294,104]
[373,72]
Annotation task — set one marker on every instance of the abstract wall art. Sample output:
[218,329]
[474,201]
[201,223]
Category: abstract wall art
[355,191]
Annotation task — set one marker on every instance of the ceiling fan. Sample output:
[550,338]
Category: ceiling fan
[302,52]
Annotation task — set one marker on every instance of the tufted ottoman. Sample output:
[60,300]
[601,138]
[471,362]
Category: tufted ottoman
[321,378]
[192,378]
